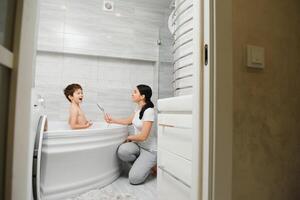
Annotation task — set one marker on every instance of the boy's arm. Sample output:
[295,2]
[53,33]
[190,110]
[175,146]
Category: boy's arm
[73,120]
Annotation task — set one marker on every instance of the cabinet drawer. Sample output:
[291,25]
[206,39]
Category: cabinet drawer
[176,140]
[175,104]
[169,188]
[176,165]
[175,120]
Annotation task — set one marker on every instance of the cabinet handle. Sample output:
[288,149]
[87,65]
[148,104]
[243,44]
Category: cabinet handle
[172,126]
[167,125]
[162,168]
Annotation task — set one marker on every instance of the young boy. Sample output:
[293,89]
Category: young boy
[77,120]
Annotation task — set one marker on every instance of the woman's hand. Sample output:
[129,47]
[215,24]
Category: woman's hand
[127,140]
[140,137]
[108,118]
[111,120]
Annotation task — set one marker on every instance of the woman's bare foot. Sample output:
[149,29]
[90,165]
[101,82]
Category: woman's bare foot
[154,170]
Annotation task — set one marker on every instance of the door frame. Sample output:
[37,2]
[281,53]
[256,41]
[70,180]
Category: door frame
[222,90]
[19,165]
[6,57]
[19,158]
[6,61]
[212,167]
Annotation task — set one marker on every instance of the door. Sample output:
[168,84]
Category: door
[7,12]
[213,102]
[207,70]
[17,46]
[5,73]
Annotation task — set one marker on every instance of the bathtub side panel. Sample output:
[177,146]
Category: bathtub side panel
[77,165]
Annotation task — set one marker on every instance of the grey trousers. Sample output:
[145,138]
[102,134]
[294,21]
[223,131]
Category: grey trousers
[143,161]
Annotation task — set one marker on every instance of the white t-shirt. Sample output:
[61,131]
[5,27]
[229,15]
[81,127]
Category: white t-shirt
[151,142]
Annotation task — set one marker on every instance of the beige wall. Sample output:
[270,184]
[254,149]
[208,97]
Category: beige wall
[266,140]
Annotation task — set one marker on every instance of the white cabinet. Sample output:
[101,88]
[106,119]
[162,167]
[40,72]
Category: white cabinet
[171,189]
[176,140]
[174,148]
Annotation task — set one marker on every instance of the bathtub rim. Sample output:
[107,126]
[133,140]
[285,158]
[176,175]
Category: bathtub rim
[65,133]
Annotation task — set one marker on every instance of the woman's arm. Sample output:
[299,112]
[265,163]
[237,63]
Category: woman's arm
[125,121]
[147,125]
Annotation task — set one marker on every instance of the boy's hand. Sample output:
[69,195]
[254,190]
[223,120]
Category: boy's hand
[107,118]
[88,124]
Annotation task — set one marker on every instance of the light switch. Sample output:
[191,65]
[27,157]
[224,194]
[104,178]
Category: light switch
[255,56]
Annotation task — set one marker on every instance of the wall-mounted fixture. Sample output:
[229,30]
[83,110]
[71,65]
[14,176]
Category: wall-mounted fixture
[172,5]
[255,56]
[108,6]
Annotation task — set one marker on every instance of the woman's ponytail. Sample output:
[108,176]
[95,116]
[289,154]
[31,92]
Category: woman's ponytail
[148,104]
[147,92]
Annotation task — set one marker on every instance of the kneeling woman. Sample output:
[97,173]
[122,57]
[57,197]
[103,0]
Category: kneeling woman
[139,148]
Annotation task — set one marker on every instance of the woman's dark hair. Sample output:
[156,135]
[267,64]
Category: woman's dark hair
[147,92]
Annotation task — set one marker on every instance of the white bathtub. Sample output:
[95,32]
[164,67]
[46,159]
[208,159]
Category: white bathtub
[75,161]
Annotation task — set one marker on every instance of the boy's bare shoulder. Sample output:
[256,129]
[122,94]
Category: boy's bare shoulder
[74,109]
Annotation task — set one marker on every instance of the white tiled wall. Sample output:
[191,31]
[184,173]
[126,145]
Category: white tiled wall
[108,81]
[82,27]
[108,55]
[165,78]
